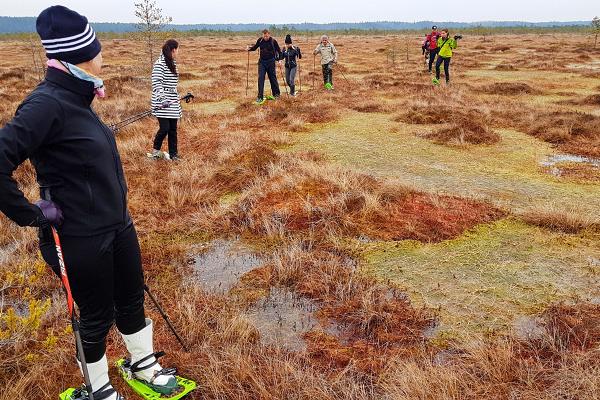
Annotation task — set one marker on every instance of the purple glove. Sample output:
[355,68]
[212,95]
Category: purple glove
[165,104]
[51,211]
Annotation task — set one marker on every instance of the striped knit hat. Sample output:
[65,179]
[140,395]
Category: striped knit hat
[67,36]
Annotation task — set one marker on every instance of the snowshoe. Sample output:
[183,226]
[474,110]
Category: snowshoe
[328,86]
[260,101]
[150,392]
[158,155]
[271,97]
[435,81]
[82,394]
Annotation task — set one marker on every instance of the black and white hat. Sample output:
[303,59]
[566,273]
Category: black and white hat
[67,35]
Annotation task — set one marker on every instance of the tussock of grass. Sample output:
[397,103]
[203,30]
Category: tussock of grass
[572,132]
[467,132]
[509,88]
[560,220]
[562,361]
[505,67]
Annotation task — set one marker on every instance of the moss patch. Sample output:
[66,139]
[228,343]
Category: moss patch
[507,174]
[480,281]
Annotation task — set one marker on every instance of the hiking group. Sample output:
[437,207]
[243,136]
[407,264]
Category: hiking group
[439,44]
[271,54]
[84,226]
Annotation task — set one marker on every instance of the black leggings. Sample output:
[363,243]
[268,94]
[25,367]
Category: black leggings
[327,73]
[106,279]
[446,62]
[167,126]
[432,54]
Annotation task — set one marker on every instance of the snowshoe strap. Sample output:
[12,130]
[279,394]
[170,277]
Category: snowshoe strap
[105,392]
[135,367]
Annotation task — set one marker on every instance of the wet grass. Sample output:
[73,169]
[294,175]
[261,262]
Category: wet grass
[482,280]
[378,257]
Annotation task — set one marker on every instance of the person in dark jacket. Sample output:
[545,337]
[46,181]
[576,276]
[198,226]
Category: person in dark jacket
[84,196]
[291,54]
[270,53]
[431,40]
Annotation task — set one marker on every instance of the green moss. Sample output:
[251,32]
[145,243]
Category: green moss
[507,174]
[482,280]
[229,198]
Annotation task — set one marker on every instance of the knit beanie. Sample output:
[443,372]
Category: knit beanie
[66,35]
[288,39]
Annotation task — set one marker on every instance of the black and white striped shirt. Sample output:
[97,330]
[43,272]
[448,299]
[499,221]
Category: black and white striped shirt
[164,87]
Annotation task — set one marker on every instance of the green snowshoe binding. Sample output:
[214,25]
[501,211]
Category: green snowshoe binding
[271,98]
[82,394]
[328,86]
[175,389]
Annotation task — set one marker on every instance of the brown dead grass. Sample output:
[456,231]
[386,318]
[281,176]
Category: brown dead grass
[301,201]
[509,89]
[298,207]
[560,220]
[505,67]
[572,132]
[467,132]
[546,367]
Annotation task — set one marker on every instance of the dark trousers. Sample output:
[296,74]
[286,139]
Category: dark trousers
[327,73]
[167,127]
[106,279]
[267,67]
[446,62]
[290,77]
[432,54]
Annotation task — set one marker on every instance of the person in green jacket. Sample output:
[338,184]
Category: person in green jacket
[445,45]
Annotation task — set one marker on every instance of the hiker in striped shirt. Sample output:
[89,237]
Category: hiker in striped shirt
[165,100]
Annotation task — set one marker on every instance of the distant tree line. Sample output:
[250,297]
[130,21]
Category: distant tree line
[27,25]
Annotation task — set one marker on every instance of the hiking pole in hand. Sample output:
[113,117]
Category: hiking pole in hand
[299,77]
[314,70]
[162,313]
[134,118]
[284,81]
[75,324]
[248,74]
[344,76]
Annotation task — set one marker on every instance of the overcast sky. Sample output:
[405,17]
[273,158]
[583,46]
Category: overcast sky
[321,11]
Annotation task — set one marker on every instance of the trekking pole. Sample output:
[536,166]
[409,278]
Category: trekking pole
[248,74]
[314,70]
[284,81]
[299,77]
[344,76]
[75,324]
[117,126]
[162,313]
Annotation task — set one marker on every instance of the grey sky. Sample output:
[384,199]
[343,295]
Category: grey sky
[320,11]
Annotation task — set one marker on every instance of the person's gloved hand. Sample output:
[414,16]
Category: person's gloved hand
[165,104]
[51,211]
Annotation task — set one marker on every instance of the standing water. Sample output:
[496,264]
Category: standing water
[282,318]
[222,265]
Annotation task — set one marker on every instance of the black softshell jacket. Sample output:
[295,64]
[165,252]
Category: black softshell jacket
[74,154]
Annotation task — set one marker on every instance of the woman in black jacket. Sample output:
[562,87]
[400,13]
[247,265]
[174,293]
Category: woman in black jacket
[84,195]
[291,54]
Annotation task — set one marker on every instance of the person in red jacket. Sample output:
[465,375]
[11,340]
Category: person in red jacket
[431,42]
